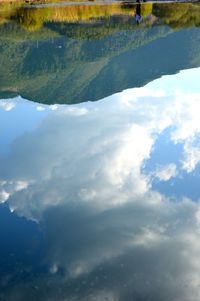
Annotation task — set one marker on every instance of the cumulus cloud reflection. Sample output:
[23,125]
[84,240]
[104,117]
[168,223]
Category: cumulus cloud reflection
[6,105]
[86,175]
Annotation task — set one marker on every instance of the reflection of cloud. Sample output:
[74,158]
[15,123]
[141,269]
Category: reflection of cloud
[7,188]
[54,107]
[191,156]
[165,173]
[187,107]
[4,195]
[40,108]
[134,251]
[81,175]
[6,105]
[96,152]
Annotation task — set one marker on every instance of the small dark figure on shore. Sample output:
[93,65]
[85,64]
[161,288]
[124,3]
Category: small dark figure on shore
[138,17]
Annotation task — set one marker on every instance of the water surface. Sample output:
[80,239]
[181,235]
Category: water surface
[99,153]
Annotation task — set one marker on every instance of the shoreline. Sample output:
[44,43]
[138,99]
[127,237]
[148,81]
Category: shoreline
[91,2]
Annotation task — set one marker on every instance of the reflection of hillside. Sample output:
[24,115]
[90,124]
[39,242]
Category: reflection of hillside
[79,61]
[61,69]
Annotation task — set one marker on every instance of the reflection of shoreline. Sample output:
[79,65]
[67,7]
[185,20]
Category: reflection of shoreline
[74,2]
[33,17]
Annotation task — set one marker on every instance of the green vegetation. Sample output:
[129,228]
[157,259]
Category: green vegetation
[47,59]
[178,15]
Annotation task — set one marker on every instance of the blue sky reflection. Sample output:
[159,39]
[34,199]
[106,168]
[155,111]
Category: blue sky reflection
[118,180]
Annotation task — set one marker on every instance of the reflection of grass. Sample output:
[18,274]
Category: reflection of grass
[7,9]
[87,12]
[32,19]
[175,15]
[178,15]
[146,9]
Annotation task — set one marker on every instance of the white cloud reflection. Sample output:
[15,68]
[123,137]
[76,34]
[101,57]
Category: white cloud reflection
[81,175]
[7,105]
[166,172]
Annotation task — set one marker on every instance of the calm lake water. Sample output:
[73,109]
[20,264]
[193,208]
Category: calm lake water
[99,152]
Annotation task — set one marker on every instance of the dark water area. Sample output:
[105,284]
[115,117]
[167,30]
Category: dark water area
[99,152]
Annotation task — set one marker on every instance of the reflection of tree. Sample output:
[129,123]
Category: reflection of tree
[178,15]
[31,19]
